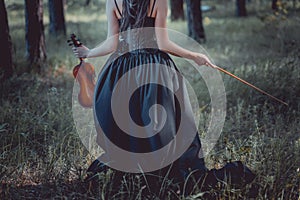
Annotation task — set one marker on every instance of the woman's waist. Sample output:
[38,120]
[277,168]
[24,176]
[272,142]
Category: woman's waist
[154,51]
[133,47]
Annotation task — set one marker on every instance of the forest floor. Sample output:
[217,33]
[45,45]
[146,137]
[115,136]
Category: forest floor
[42,156]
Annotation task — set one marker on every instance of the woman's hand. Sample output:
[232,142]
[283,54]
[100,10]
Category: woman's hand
[81,52]
[201,59]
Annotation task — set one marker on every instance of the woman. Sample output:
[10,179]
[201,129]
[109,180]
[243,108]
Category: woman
[133,52]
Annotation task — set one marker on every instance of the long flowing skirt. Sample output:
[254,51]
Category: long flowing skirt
[142,105]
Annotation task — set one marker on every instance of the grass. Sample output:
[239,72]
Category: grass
[41,154]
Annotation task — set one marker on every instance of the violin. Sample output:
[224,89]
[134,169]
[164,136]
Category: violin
[84,73]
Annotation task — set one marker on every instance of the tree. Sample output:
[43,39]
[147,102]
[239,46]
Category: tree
[35,37]
[87,2]
[195,25]
[274,5]
[6,46]
[57,24]
[177,11]
[241,8]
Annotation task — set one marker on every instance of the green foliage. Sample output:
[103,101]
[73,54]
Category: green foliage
[281,13]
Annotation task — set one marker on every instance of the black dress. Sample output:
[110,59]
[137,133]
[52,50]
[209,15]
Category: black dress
[140,60]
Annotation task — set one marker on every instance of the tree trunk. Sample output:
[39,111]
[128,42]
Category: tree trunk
[195,25]
[177,11]
[87,2]
[274,5]
[57,24]
[6,64]
[241,8]
[35,37]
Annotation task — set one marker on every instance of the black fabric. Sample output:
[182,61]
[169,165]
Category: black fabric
[121,62]
[119,11]
[234,173]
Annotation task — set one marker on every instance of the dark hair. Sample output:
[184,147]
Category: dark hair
[134,13]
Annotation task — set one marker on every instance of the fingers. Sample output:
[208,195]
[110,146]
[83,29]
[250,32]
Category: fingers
[75,51]
[202,59]
[209,64]
[78,52]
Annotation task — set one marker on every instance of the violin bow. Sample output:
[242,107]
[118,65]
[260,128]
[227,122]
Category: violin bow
[249,84]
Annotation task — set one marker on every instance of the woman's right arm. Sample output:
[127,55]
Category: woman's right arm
[111,42]
[165,44]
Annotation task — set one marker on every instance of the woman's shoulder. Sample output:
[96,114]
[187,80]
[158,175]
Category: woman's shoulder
[161,6]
